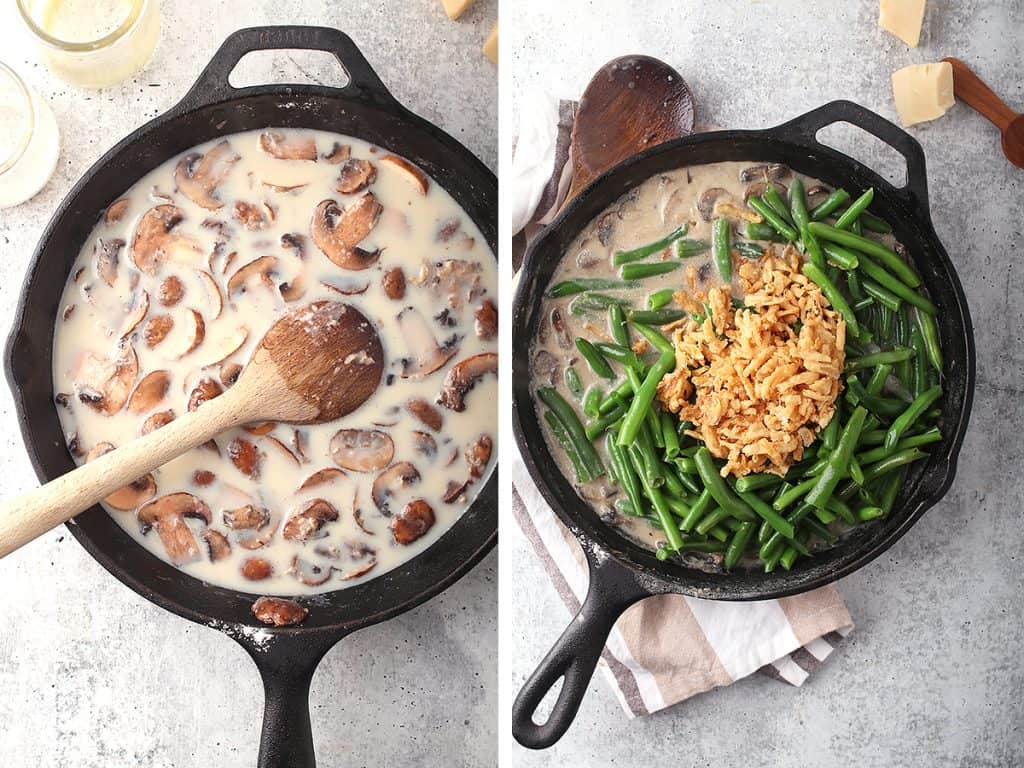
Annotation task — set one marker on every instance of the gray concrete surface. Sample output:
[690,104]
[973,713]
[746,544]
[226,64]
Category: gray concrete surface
[93,676]
[933,674]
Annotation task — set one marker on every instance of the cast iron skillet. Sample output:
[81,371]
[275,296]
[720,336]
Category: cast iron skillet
[621,572]
[287,657]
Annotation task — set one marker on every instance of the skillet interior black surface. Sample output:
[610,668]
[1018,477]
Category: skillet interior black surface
[287,657]
[632,572]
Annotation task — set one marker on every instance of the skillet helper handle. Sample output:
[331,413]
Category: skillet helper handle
[804,130]
[212,85]
[35,512]
[613,589]
[970,88]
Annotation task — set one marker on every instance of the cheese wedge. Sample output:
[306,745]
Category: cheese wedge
[923,91]
[903,18]
[455,8]
[491,45]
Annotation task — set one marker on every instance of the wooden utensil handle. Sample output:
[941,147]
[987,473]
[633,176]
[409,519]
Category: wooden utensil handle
[968,87]
[37,511]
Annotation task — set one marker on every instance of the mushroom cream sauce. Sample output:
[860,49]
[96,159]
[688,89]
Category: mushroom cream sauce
[173,291]
[643,215]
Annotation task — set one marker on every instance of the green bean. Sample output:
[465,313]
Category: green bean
[764,532]
[573,383]
[891,489]
[598,426]
[659,299]
[919,378]
[872,248]
[788,557]
[774,199]
[880,452]
[646,465]
[626,507]
[830,434]
[853,284]
[930,334]
[875,224]
[798,204]
[668,432]
[825,516]
[756,482]
[864,514]
[720,232]
[878,358]
[686,249]
[719,489]
[768,514]
[574,429]
[648,269]
[748,250]
[913,412]
[839,461]
[878,378]
[896,286]
[830,204]
[618,397]
[592,402]
[885,320]
[887,465]
[697,511]
[795,493]
[672,482]
[651,430]
[581,284]
[617,325]
[882,295]
[777,222]
[857,207]
[664,514]
[583,473]
[691,546]
[595,302]
[885,407]
[654,338]
[856,228]
[655,316]
[620,354]
[686,464]
[624,257]
[720,532]
[815,528]
[855,472]
[594,357]
[739,542]
[761,231]
[644,397]
[835,298]
[863,304]
[840,509]
[839,256]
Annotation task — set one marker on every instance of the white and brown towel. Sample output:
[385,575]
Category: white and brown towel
[668,648]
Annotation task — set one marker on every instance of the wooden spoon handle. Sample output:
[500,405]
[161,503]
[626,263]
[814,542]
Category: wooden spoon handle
[968,87]
[37,511]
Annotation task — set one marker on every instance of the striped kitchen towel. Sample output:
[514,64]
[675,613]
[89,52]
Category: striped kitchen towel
[668,648]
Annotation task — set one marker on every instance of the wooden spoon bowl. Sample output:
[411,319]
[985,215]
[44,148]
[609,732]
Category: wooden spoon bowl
[970,89]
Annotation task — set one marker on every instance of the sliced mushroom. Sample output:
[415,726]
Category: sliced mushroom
[217,545]
[224,345]
[104,384]
[390,481]
[294,289]
[362,450]
[408,171]
[455,491]
[167,514]
[486,317]
[455,280]
[116,211]
[292,241]
[213,293]
[282,450]
[339,153]
[338,232]
[706,201]
[246,518]
[253,217]
[130,496]
[149,392]
[416,519]
[257,569]
[758,188]
[478,455]
[155,241]
[259,270]
[69,310]
[156,330]
[393,283]
[359,553]
[545,367]
[321,477]
[198,176]
[424,444]
[425,355]
[229,373]
[288,145]
[346,287]
[307,522]
[203,477]
[310,574]
[463,376]
[425,412]
[205,390]
[157,420]
[171,291]
[772,171]
[136,315]
[107,253]
[245,456]
[260,429]
[562,335]
[278,612]
[355,175]
[193,333]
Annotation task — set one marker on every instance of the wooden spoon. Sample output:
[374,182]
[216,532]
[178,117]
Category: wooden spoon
[316,364]
[632,103]
[969,88]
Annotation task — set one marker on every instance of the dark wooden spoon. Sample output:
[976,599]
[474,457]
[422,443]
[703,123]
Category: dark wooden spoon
[970,89]
[632,103]
[316,364]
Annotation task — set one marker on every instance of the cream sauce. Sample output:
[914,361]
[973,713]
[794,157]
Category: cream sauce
[415,232]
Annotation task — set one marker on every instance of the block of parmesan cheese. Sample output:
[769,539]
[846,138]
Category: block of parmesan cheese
[455,8]
[491,45]
[923,91]
[903,18]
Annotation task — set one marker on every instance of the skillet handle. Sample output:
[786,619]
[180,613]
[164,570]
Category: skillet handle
[804,130]
[613,588]
[212,85]
[286,663]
